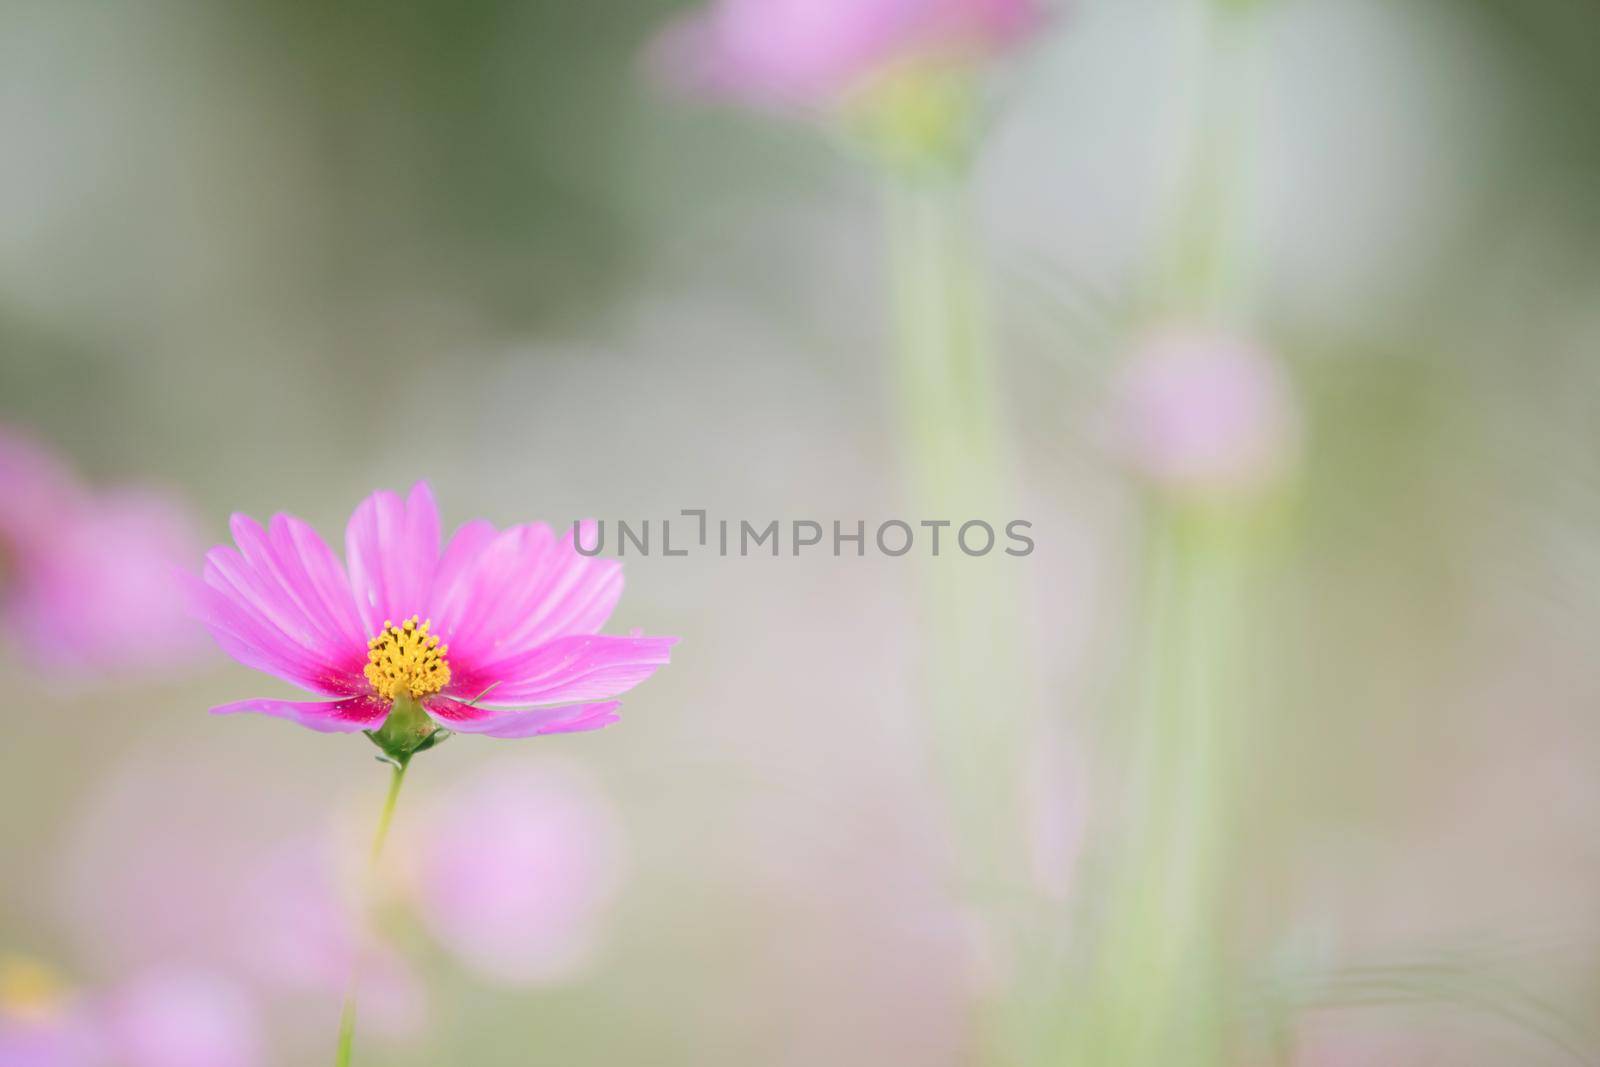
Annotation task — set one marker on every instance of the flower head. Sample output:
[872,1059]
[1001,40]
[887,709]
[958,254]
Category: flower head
[497,633]
[515,868]
[1203,414]
[168,1017]
[785,53]
[182,1018]
[85,576]
[42,1023]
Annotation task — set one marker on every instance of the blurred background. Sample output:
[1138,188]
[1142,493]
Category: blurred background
[273,254]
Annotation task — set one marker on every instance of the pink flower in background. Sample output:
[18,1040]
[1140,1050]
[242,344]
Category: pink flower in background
[86,577]
[497,634]
[162,1018]
[297,932]
[515,869]
[181,1018]
[797,52]
[1204,414]
[148,877]
[41,1023]
[57,1041]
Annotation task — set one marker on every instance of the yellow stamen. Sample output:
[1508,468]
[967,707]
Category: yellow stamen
[407,659]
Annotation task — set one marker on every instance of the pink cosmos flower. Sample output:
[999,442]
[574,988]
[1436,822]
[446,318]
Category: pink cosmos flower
[182,1018]
[86,577]
[496,634]
[515,869]
[798,52]
[171,1017]
[1205,414]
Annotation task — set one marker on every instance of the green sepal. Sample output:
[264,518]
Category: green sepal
[406,731]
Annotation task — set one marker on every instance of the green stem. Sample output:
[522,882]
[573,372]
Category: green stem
[347,1016]
[1157,994]
[941,326]
[977,688]
[949,434]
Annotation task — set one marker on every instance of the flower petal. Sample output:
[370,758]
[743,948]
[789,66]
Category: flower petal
[523,589]
[319,606]
[457,566]
[335,716]
[392,547]
[261,611]
[568,669]
[574,595]
[323,575]
[490,593]
[526,722]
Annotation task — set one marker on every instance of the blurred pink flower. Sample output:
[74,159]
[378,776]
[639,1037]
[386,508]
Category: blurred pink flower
[41,1023]
[515,870]
[148,877]
[797,52]
[298,933]
[161,1018]
[57,1041]
[497,634]
[86,578]
[1205,414]
[181,1018]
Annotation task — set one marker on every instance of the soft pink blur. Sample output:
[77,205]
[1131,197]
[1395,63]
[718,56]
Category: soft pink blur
[797,52]
[61,1038]
[1205,413]
[249,885]
[1398,1035]
[298,936]
[86,577]
[516,868]
[1058,810]
[182,1018]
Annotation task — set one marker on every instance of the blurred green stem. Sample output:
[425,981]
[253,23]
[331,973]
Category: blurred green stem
[347,1016]
[950,454]
[1155,996]
[1158,990]
[1209,265]
[975,667]
[942,350]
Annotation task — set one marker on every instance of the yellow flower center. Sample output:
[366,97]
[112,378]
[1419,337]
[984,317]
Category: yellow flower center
[29,989]
[407,659]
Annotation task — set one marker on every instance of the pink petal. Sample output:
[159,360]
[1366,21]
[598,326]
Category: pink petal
[491,592]
[522,590]
[575,595]
[457,566]
[322,573]
[336,716]
[257,613]
[581,667]
[393,549]
[528,722]
[318,595]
